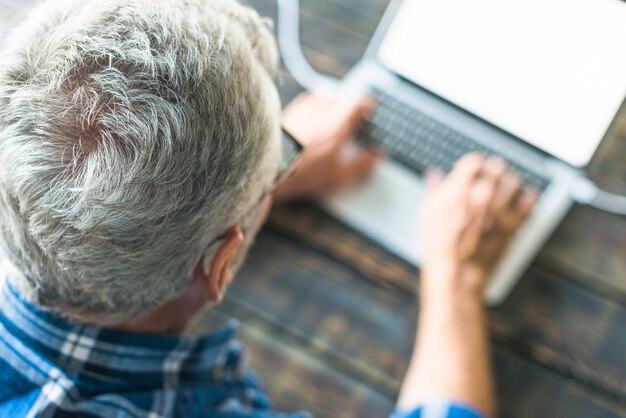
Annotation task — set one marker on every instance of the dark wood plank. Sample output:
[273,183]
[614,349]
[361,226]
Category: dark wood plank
[309,223]
[316,31]
[566,328]
[359,17]
[295,380]
[367,10]
[526,390]
[330,305]
[608,166]
[588,248]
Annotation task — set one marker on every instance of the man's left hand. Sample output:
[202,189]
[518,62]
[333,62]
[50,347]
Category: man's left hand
[325,127]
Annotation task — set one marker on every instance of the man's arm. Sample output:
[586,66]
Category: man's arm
[468,219]
[451,357]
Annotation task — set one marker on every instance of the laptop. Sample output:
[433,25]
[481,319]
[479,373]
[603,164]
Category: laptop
[537,82]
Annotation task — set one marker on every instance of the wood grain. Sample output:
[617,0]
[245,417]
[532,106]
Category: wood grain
[294,379]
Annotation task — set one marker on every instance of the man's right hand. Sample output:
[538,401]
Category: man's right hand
[469,218]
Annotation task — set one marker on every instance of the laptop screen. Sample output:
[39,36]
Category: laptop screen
[551,72]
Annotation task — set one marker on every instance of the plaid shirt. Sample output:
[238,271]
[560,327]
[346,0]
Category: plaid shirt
[50,367]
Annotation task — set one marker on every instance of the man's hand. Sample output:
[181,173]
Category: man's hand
[468,220]
[470,217]
[325,127]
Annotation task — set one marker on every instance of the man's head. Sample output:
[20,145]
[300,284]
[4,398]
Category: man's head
[133,136]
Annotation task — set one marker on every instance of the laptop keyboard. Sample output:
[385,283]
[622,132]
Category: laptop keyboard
[419,142]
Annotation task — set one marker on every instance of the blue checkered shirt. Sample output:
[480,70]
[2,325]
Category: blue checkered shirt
[50,367]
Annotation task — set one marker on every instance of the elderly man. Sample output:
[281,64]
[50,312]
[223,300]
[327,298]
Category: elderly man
[140,149]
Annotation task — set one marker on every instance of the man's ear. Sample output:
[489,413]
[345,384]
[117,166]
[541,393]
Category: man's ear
[216,274]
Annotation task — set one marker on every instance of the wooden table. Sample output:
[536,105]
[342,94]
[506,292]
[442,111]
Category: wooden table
[329,318]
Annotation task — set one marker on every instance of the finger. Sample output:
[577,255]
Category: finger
[434,177]
[481,196]
[349,115]
[495,167]
[466,170]
[527,202]
[508,189]
[494,170]
[485,187]
[519,211]
[477,216]
[359,167]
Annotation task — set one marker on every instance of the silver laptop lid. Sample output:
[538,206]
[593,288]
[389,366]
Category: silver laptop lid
[551,72]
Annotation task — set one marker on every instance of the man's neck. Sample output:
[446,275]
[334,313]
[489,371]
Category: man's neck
[173,317]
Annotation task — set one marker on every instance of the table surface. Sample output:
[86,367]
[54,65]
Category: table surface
[329,318]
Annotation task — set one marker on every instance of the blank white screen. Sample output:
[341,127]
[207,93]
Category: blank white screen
[552,72]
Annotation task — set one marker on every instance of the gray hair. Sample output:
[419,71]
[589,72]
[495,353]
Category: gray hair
[131,133]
